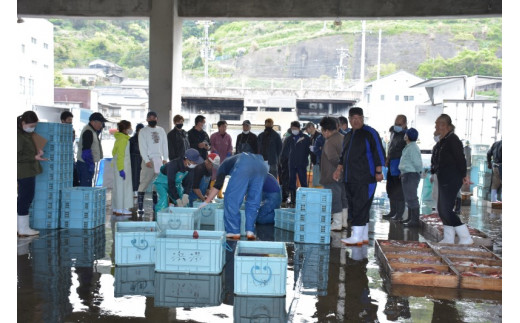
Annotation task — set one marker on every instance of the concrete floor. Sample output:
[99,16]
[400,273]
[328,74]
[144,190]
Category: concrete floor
[70,276]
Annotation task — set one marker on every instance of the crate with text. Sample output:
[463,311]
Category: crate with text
[178,218]
[135,243]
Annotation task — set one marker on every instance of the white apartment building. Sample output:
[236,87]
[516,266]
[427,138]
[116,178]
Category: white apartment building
[389,96]
[35,65]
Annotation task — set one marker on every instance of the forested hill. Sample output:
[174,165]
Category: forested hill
[294,49]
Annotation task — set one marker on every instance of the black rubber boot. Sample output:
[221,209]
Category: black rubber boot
[399,210]
[458,203]
[414,222]
[391,214]
[140,202]
[154,200]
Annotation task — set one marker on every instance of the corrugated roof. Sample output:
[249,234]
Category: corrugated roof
[437,81]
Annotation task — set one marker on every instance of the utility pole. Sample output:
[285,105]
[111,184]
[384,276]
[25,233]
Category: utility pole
[206,52]
[379,56]
[362,74]
[340,69]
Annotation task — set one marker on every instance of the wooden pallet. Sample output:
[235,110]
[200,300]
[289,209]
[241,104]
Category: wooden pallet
[449,266]
[433,229]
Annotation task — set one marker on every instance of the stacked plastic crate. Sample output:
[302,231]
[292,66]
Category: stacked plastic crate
[284,219]
[311,267]
[83,207]
[57,174]
[80,248]
[312,215]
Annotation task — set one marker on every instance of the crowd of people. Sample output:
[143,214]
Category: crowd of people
[265,170]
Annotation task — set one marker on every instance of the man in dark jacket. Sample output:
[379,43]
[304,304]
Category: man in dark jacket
[393,181]
[270,146]
[361,162]
[135,158]
[317,142]
[178,141]
[283,170]
[494,161]
[297,149]
[247,142]
[199,138]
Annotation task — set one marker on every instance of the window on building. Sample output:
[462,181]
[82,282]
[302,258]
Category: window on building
[397,97]
[33,40]
[23,48]
[22,85]
[31,87]
[410,98]
[382,97]
[45,45]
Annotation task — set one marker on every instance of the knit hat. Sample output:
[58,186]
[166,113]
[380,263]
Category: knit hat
[412,134]
[214,159]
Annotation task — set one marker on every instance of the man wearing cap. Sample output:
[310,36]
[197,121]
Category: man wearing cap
[153,147]
[297,150]
[361,164]
[89,148]
[317,142]
[411,168]
[203,173]
[247,173]
[270,146]
[247,142]
[175,180]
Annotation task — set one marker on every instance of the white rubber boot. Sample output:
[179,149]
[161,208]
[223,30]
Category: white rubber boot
[23,226]
[356,238]
[449,235]
[344,218]
[365,234]
[356,253]
[463,233]
[336,222]
[493,195]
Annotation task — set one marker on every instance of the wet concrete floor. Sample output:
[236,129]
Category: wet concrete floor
[69,276]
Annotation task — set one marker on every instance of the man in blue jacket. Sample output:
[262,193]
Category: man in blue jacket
[298,150]
[361,162]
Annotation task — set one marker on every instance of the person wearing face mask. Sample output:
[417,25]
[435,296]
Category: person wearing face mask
[199,138]
[122,191]
[153,147]
[178,141]
[135,158]
[411,169]
[298,150]
[28,166]
[90,150]
[393,180]
[270,146]
[317,142]
[175,180]
[202,174]
[247,142]
[66,117]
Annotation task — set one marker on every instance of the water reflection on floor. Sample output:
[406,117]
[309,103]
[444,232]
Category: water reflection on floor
[69,276]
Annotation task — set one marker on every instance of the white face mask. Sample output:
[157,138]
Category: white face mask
[192,165]
[29,129]
[295,132]
[246,132]
[437,138]
[130,132]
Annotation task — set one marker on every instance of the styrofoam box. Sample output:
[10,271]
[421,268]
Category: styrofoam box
[135,243]
[188,290]
[178,252]
[311,261]
[219,214]
[134,280]
[259,309]
[178,218]
[260,268]
[207,213]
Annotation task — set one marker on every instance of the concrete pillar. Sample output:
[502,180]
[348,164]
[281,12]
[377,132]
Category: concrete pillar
[161,61]
[177,64]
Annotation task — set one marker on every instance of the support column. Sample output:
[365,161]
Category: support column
[177,66]
[161,61]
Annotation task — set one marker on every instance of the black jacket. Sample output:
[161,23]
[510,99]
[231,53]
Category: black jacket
[270,145]
[243,141]
[195,137]
[178,143]
[362,153]
[448,159]
[170,170]
[297,149]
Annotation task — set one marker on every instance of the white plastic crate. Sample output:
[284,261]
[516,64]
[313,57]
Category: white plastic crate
[311,261]
[135,243]
[188,290]
[179,252]
[260,268]
[207,213]
[219,214]
[178,218]
[259,309]
[134,280]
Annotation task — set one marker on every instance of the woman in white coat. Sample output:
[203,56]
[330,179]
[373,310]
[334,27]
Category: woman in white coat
[122,192]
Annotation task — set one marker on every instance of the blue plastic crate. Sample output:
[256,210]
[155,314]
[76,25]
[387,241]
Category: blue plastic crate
[80,247]
[178,252]
[260,268]
[135,243]
[79,223]
[259,309]
[311,262]
[314,195]
[44,214]
[284,219]
[316,236]
[188,290]
[134,280]
[219,226]
[44,223]
[313,208]
[207,213]
[46,204]
[311,218]
[178,218]
[45,186]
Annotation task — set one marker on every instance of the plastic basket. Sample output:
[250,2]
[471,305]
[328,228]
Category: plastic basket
[135,243]
[178,218]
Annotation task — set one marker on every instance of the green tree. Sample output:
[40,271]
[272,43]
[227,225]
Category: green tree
[467,62]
